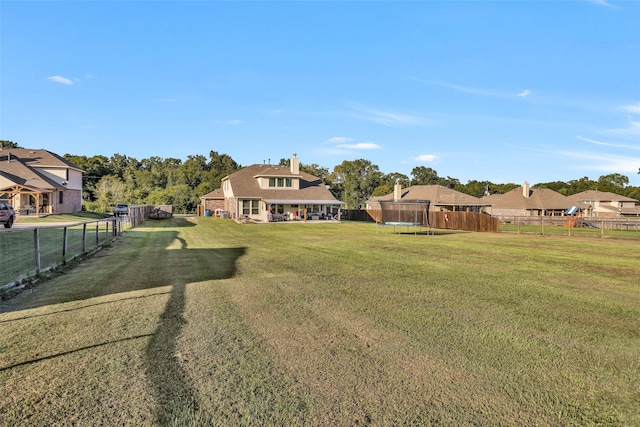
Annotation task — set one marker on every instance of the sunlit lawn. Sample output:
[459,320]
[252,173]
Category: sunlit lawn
[208,322]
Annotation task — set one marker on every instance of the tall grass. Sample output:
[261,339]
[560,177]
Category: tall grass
[208,322]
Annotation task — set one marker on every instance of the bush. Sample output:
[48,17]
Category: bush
[92,206]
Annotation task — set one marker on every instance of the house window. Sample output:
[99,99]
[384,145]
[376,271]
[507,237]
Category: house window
[250,207]
[61,197]
[288,182]
[280,182]
[272,182]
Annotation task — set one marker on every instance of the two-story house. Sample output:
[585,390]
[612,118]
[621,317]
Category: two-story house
[39,181]
[264,191]
[606,204]
[527,201]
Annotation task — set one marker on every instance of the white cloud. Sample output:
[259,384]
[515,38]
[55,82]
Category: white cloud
[601,3]
[474,90]
[228,122]
[606,163]
[360,146]
[633,109]
[388,118]
[606,144]
[339,139]
[466,89]
[61,80]
[425,158]
[633,129]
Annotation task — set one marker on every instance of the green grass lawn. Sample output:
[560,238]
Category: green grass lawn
[207,322]
[71,217]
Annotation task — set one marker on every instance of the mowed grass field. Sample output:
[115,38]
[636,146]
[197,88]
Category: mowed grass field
[207,322]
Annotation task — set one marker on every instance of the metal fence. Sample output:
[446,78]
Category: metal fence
[622,228]
[26,253]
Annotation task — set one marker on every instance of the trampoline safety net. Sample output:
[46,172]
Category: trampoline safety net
[415,212]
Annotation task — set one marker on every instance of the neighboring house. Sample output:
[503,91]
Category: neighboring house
[526,201]
[440,198]
[605,204]
[261,190]
[39,181]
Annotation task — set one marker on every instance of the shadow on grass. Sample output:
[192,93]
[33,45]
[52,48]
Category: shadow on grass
[75,350]
[83,307]
[146,260]
[176,401]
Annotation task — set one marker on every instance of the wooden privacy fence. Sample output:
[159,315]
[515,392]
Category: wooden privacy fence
[356,215]
[463,221]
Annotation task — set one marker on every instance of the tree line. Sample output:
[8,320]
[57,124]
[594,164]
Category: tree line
[170,181]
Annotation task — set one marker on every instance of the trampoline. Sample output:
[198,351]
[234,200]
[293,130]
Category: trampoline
[404,215]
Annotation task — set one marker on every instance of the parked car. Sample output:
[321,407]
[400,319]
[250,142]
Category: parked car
[7,214]
[121,209]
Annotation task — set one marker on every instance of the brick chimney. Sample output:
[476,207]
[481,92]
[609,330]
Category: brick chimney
[525,190]
[295,165]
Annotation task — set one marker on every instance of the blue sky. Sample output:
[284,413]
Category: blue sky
[504,91]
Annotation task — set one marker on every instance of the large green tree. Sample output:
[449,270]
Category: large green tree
[614,183]
[109,191]
[4,144]
[94,168]
[354,181]
[423,175]
[388,182]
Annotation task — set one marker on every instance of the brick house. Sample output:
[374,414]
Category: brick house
[267,192]
[39,182]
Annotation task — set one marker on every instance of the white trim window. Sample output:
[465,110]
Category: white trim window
[280,182]
[250,207]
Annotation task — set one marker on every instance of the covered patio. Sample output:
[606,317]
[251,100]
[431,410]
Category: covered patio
[27,200]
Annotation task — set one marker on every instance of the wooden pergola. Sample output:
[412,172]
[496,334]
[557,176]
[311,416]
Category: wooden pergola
[18,191]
